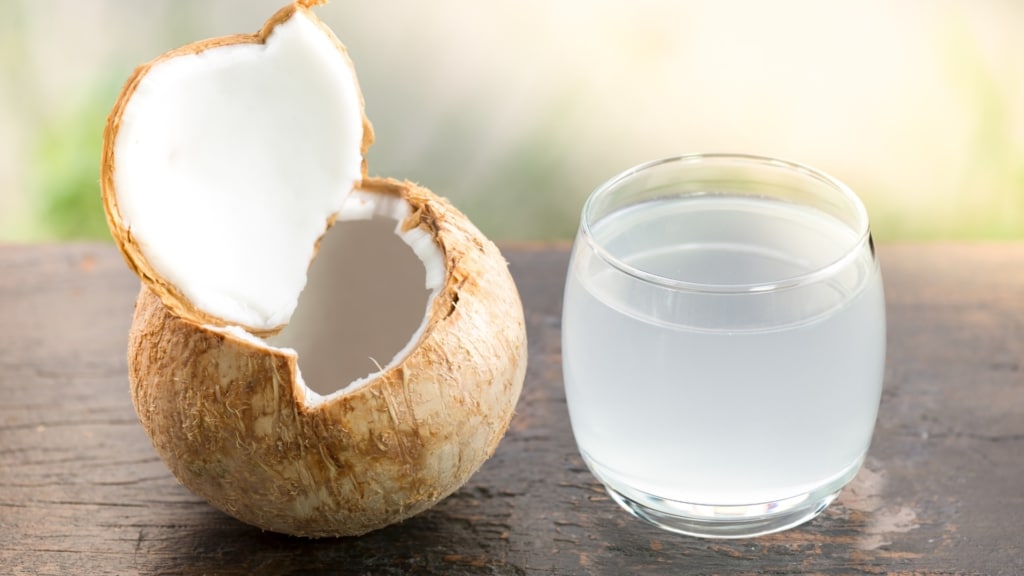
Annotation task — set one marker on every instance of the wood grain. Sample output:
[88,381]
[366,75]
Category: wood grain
[82,492]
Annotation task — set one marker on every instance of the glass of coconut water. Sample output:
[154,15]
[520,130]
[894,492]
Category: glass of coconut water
[723,342]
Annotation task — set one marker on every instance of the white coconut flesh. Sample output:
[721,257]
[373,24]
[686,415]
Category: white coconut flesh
[232,161]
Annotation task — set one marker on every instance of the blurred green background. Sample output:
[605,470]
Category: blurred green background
[516,110]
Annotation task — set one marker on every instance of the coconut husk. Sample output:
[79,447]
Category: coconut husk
[233,422]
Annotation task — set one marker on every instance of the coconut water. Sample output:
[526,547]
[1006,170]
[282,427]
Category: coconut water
[723,350]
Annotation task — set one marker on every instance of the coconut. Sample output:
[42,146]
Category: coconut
[224,164]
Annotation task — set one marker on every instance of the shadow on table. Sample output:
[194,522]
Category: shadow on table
[435,542]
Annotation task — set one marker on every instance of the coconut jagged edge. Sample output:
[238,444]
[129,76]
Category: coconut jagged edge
[229,418]
[169,294]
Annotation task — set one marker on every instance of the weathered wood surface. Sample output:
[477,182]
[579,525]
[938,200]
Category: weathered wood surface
[82,492]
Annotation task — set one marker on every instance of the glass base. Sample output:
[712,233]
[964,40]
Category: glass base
[745,521]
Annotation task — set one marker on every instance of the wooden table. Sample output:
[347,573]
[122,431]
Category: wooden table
[82,492]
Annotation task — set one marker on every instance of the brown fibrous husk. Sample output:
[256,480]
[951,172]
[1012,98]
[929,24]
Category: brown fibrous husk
[230,418]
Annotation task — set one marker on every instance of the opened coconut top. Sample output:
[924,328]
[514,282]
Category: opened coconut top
[224,163]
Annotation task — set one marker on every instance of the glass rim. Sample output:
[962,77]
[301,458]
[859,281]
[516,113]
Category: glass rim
[863,231]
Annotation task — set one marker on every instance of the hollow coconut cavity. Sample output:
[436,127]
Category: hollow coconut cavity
[225,162]
[367,298]
[368,290]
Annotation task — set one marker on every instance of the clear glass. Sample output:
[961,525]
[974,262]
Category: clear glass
[723,342]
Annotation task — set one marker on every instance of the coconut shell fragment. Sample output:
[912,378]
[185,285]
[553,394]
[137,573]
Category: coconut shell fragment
[250,125]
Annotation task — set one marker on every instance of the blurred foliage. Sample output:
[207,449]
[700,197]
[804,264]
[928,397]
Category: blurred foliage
[996,167]
[66,170]
[520,195]
[990,204]
[521,173]
[528,177]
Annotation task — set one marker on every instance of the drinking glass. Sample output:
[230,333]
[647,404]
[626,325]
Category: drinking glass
[723,342]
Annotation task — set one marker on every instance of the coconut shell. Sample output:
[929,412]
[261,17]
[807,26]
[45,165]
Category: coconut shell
[134,256]
[230,419]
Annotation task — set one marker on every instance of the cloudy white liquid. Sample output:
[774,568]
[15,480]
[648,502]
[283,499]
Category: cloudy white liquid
[720,392]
